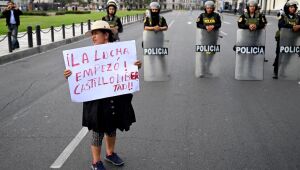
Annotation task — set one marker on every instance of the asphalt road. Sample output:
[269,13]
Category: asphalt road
[184,123]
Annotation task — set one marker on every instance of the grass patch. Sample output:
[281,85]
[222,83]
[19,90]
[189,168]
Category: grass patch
[67,19]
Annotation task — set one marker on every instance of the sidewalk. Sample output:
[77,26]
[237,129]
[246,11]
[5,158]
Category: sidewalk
[46,43]
[45,38]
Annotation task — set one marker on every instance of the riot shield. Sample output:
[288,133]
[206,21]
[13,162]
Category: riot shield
[250,53]
[289,61]
[207,50]
[155,64]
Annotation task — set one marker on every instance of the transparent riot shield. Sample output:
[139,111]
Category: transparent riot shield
[250,53]
[155,63]
[207,51]
[289,61]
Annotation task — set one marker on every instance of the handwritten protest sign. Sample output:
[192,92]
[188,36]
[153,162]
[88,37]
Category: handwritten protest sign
[102,71]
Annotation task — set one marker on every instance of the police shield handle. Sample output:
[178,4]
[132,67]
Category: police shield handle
[155,62]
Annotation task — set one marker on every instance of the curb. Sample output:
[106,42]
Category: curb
[43,48]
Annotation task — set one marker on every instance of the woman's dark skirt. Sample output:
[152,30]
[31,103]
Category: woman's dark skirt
[107,115]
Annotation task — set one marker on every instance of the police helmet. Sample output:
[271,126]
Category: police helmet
[252,2]
[154,5]
[112,3]
[209,4]
[292,2]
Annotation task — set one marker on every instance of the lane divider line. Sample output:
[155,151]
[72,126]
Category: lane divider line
[58,163]
[172,22]
[224,33]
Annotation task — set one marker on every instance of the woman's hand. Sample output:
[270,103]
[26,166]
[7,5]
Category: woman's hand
[138,63]
[67,73]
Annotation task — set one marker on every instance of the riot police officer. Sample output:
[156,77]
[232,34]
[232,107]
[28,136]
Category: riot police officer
[289,19]
[155,51]
[252,19]
[250,36]
[209,21]
[113,20]
[155,22]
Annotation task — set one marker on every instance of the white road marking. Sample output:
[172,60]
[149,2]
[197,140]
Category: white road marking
[228,23]
[224,33]
[58,163]
[172,22]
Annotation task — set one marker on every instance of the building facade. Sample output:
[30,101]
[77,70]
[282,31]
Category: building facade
[183,4]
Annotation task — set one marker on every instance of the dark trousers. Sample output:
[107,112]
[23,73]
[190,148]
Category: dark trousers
[13,28]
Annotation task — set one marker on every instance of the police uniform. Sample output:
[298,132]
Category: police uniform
[113,22]
[152,22]
[209,19]
[206,59]
[258,19]
[285,21]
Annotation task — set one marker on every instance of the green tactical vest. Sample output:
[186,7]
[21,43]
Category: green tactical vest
[291,21]
[113,22]
[209,20]
[250,20]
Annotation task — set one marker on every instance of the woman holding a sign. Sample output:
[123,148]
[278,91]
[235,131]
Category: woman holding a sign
[104,116]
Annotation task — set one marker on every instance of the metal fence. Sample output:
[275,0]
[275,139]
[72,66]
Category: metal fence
[38,31]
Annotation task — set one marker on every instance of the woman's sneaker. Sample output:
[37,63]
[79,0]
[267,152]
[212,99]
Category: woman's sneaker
[98,166]
[114,159]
